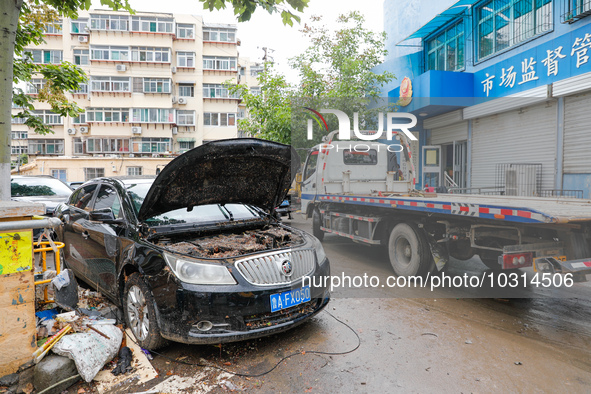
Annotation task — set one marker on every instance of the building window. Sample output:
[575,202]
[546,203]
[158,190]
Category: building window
[503,24]
[107,114]
[185,31]
[150,54]
[81,57]
[82,89]
[219,119]
[219,63]
[133,171]
[18,120]
[446,51]
[241,113]
[153,115]
[255,90]
[19,135]
[109,53]
[34,86]
[151,145]
[219,35]
[107,145]
[151,24]
[46,147]
[59,173]
[575,9]
[91,173]
[109,22]
[186,90]
[186,145]
[255,71]
[185,118]
[216,91]
[185,59]
[79,146]
[110,84]
[156,85]
[18,150]
[54,28]
[48,117]
[80,26]
[44,56]
[80,119]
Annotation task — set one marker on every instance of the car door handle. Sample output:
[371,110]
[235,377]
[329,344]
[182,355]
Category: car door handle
[85,234]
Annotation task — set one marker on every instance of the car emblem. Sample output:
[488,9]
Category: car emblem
[286,268]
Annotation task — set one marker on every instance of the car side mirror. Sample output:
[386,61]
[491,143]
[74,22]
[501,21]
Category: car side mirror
[105,215]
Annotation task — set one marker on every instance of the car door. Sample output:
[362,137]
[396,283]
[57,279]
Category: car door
[75,219]
[104,240]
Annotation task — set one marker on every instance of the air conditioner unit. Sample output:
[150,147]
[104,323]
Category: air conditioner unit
[175,130]
[83,130]
[71,131]
[131,155]
[82,38]
[173,69]
[121,67]
[173,99]
[136,130]
[182,100]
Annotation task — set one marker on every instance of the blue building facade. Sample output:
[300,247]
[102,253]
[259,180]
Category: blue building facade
[502,89]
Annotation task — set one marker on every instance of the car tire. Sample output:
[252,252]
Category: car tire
[140,313]
[316,224]
[408,250]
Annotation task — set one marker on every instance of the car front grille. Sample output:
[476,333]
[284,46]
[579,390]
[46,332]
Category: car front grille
[268,269]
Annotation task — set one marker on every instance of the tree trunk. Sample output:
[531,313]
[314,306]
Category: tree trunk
[9,18]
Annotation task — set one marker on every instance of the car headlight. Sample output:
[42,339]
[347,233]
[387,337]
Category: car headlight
[320,254]
[198,273]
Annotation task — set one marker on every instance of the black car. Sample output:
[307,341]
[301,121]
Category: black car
[39,188]
[196,255]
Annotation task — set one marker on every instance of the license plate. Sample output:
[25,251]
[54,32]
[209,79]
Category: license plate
[287,299]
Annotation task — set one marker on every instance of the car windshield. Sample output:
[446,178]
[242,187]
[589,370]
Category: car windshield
[202,213]
[29,187]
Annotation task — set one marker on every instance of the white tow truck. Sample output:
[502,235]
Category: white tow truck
[358,190]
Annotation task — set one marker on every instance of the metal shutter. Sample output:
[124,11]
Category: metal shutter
[577,134]
[449,134]
[527,135]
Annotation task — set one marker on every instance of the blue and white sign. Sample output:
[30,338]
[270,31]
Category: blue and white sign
[560,58]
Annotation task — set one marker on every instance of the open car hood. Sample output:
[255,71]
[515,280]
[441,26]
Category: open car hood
[242,170]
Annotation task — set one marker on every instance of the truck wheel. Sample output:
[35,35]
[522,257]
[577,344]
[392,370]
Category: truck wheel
[140,313]
[408,251]
[316,224]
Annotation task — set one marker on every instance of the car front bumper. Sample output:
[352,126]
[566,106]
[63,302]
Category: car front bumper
[235,313]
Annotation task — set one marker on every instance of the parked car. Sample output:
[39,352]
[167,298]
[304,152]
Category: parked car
[39,188]
[75,184]
[196,255]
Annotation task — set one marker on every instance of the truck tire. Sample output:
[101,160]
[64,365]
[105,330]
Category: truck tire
[408,250]
[316,224]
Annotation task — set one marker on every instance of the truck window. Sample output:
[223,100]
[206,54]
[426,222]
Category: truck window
[311,164]
[369,157]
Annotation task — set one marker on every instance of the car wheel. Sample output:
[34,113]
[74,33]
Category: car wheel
[140,313]
[408,251]
[316,224]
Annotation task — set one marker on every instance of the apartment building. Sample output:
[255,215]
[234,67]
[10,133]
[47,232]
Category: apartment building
[155,89]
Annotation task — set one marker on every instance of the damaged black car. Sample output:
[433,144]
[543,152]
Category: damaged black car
[196,255]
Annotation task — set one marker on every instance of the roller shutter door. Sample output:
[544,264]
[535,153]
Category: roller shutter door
[577,134]
[449,134]
[521,136]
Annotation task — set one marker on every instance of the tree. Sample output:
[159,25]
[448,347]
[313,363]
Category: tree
[22,24]
[335,71]
[269,111]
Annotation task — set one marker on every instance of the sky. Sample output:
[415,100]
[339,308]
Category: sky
[265,30]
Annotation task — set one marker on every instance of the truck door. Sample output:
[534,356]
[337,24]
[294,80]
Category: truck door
[309,180]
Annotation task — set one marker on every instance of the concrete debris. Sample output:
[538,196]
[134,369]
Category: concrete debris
[53,369]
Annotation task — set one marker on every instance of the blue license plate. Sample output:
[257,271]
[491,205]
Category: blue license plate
[287,299]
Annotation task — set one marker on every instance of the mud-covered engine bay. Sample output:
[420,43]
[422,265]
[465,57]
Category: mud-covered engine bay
[231,244]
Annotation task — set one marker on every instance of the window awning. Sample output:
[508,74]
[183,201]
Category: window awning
[185,139]
[441,19]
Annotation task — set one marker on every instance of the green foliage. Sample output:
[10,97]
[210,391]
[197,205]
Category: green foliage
[244,9]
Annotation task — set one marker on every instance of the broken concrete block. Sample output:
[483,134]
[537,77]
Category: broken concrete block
[9,380]
[52,369]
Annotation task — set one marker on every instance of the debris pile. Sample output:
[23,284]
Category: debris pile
[232,245]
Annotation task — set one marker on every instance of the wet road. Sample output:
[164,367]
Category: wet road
[409,341]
